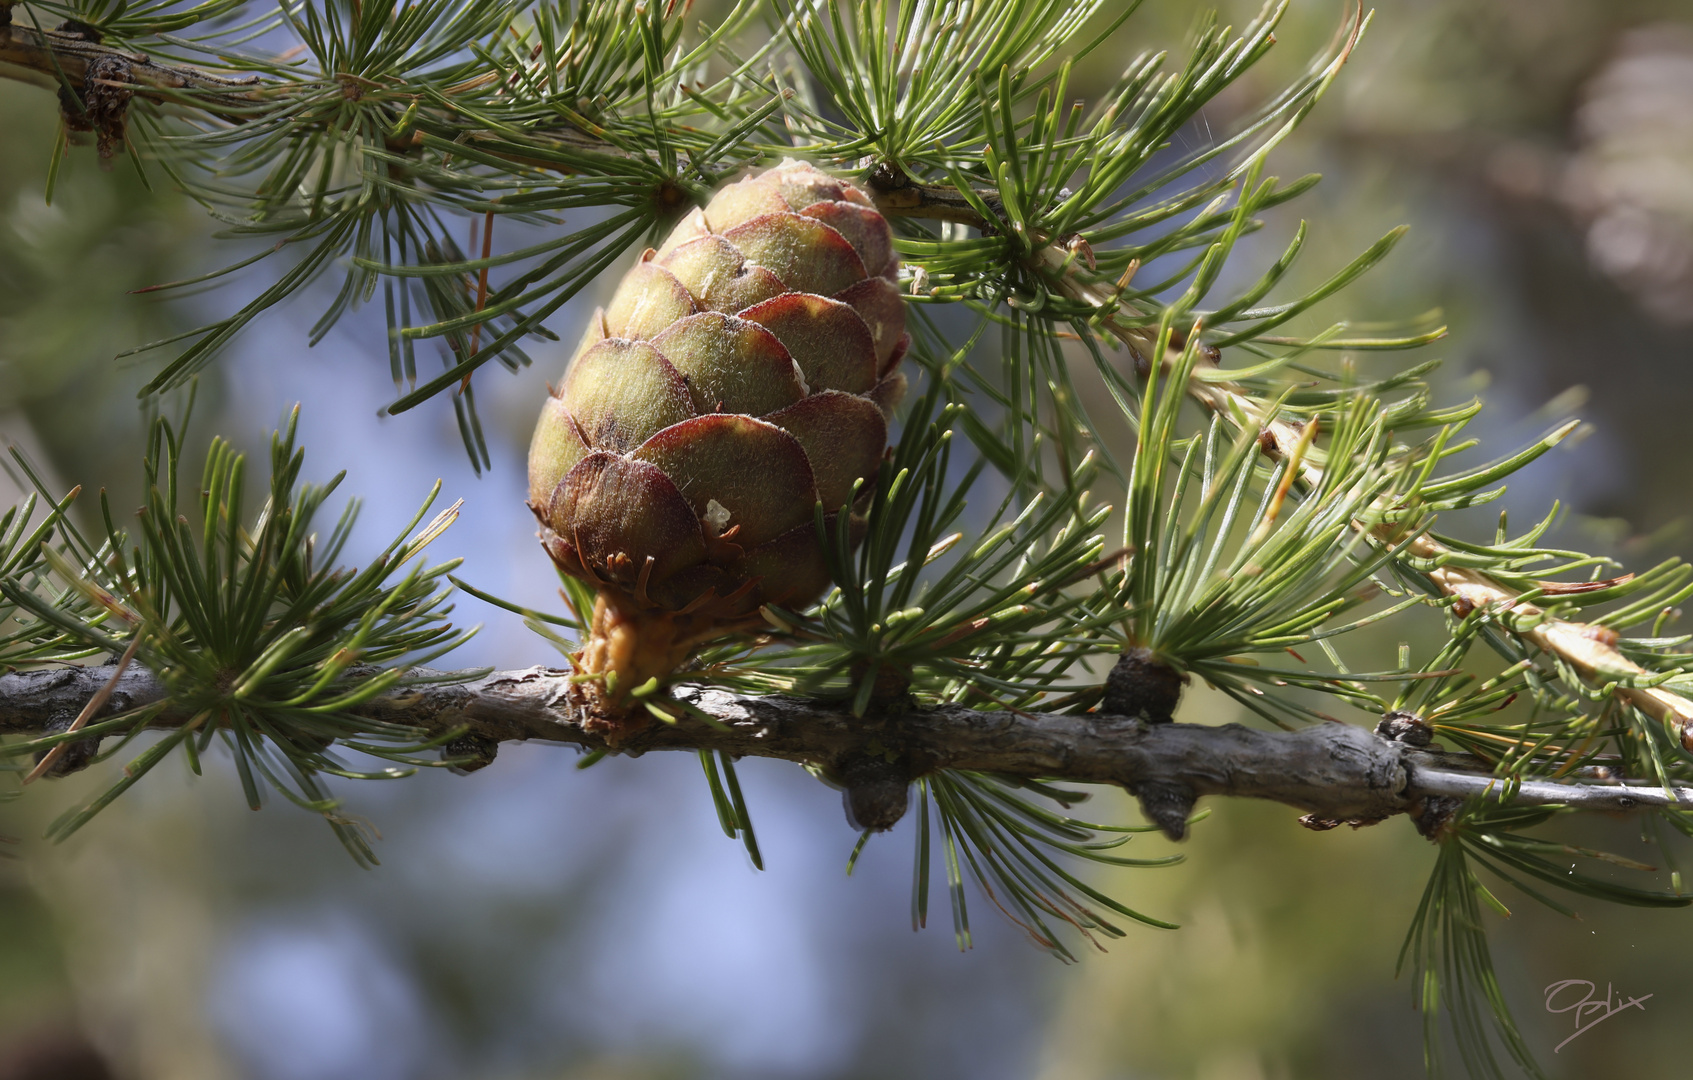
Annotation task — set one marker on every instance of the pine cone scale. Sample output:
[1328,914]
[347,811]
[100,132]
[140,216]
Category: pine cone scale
[555,449]
[623,511]
[743,202]
[649,299]
[717,276]
[731,365]
[863,228]
[843,436]
[826,338]
[879,304]
[803,253]
[756,472]
[623,392]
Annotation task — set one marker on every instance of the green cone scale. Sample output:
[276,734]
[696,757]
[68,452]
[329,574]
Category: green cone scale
[741,374]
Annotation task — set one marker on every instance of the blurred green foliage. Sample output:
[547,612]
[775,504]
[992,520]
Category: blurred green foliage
[67,271]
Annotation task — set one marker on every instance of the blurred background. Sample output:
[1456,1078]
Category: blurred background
[536,922]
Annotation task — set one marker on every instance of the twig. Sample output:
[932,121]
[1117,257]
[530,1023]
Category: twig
[481,289]
[52,55]
[1578,796]
[896,194]
[1335,772]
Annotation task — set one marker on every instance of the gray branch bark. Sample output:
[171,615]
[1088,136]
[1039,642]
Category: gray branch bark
[1335,772]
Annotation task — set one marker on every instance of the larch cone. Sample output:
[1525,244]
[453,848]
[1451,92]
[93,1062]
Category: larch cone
[743,373]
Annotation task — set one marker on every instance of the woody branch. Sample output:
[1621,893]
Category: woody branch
[1336,773]
[52,57]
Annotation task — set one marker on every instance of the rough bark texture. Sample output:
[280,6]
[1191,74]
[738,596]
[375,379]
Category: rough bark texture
[1337,773]
[51,54]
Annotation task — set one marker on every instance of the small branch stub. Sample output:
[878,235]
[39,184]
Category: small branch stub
[103,103]
[1142,685]
[1167,804]
[1433,815]
[1408,728]
[875,792]
[74,756]
[470,752]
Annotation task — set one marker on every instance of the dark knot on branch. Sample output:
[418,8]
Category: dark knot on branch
[1167,804]
[78,29]
[77,755]
[1407,728]
[1144,686]
[470,752]
[874,792]
[102,106]
[1433,815]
